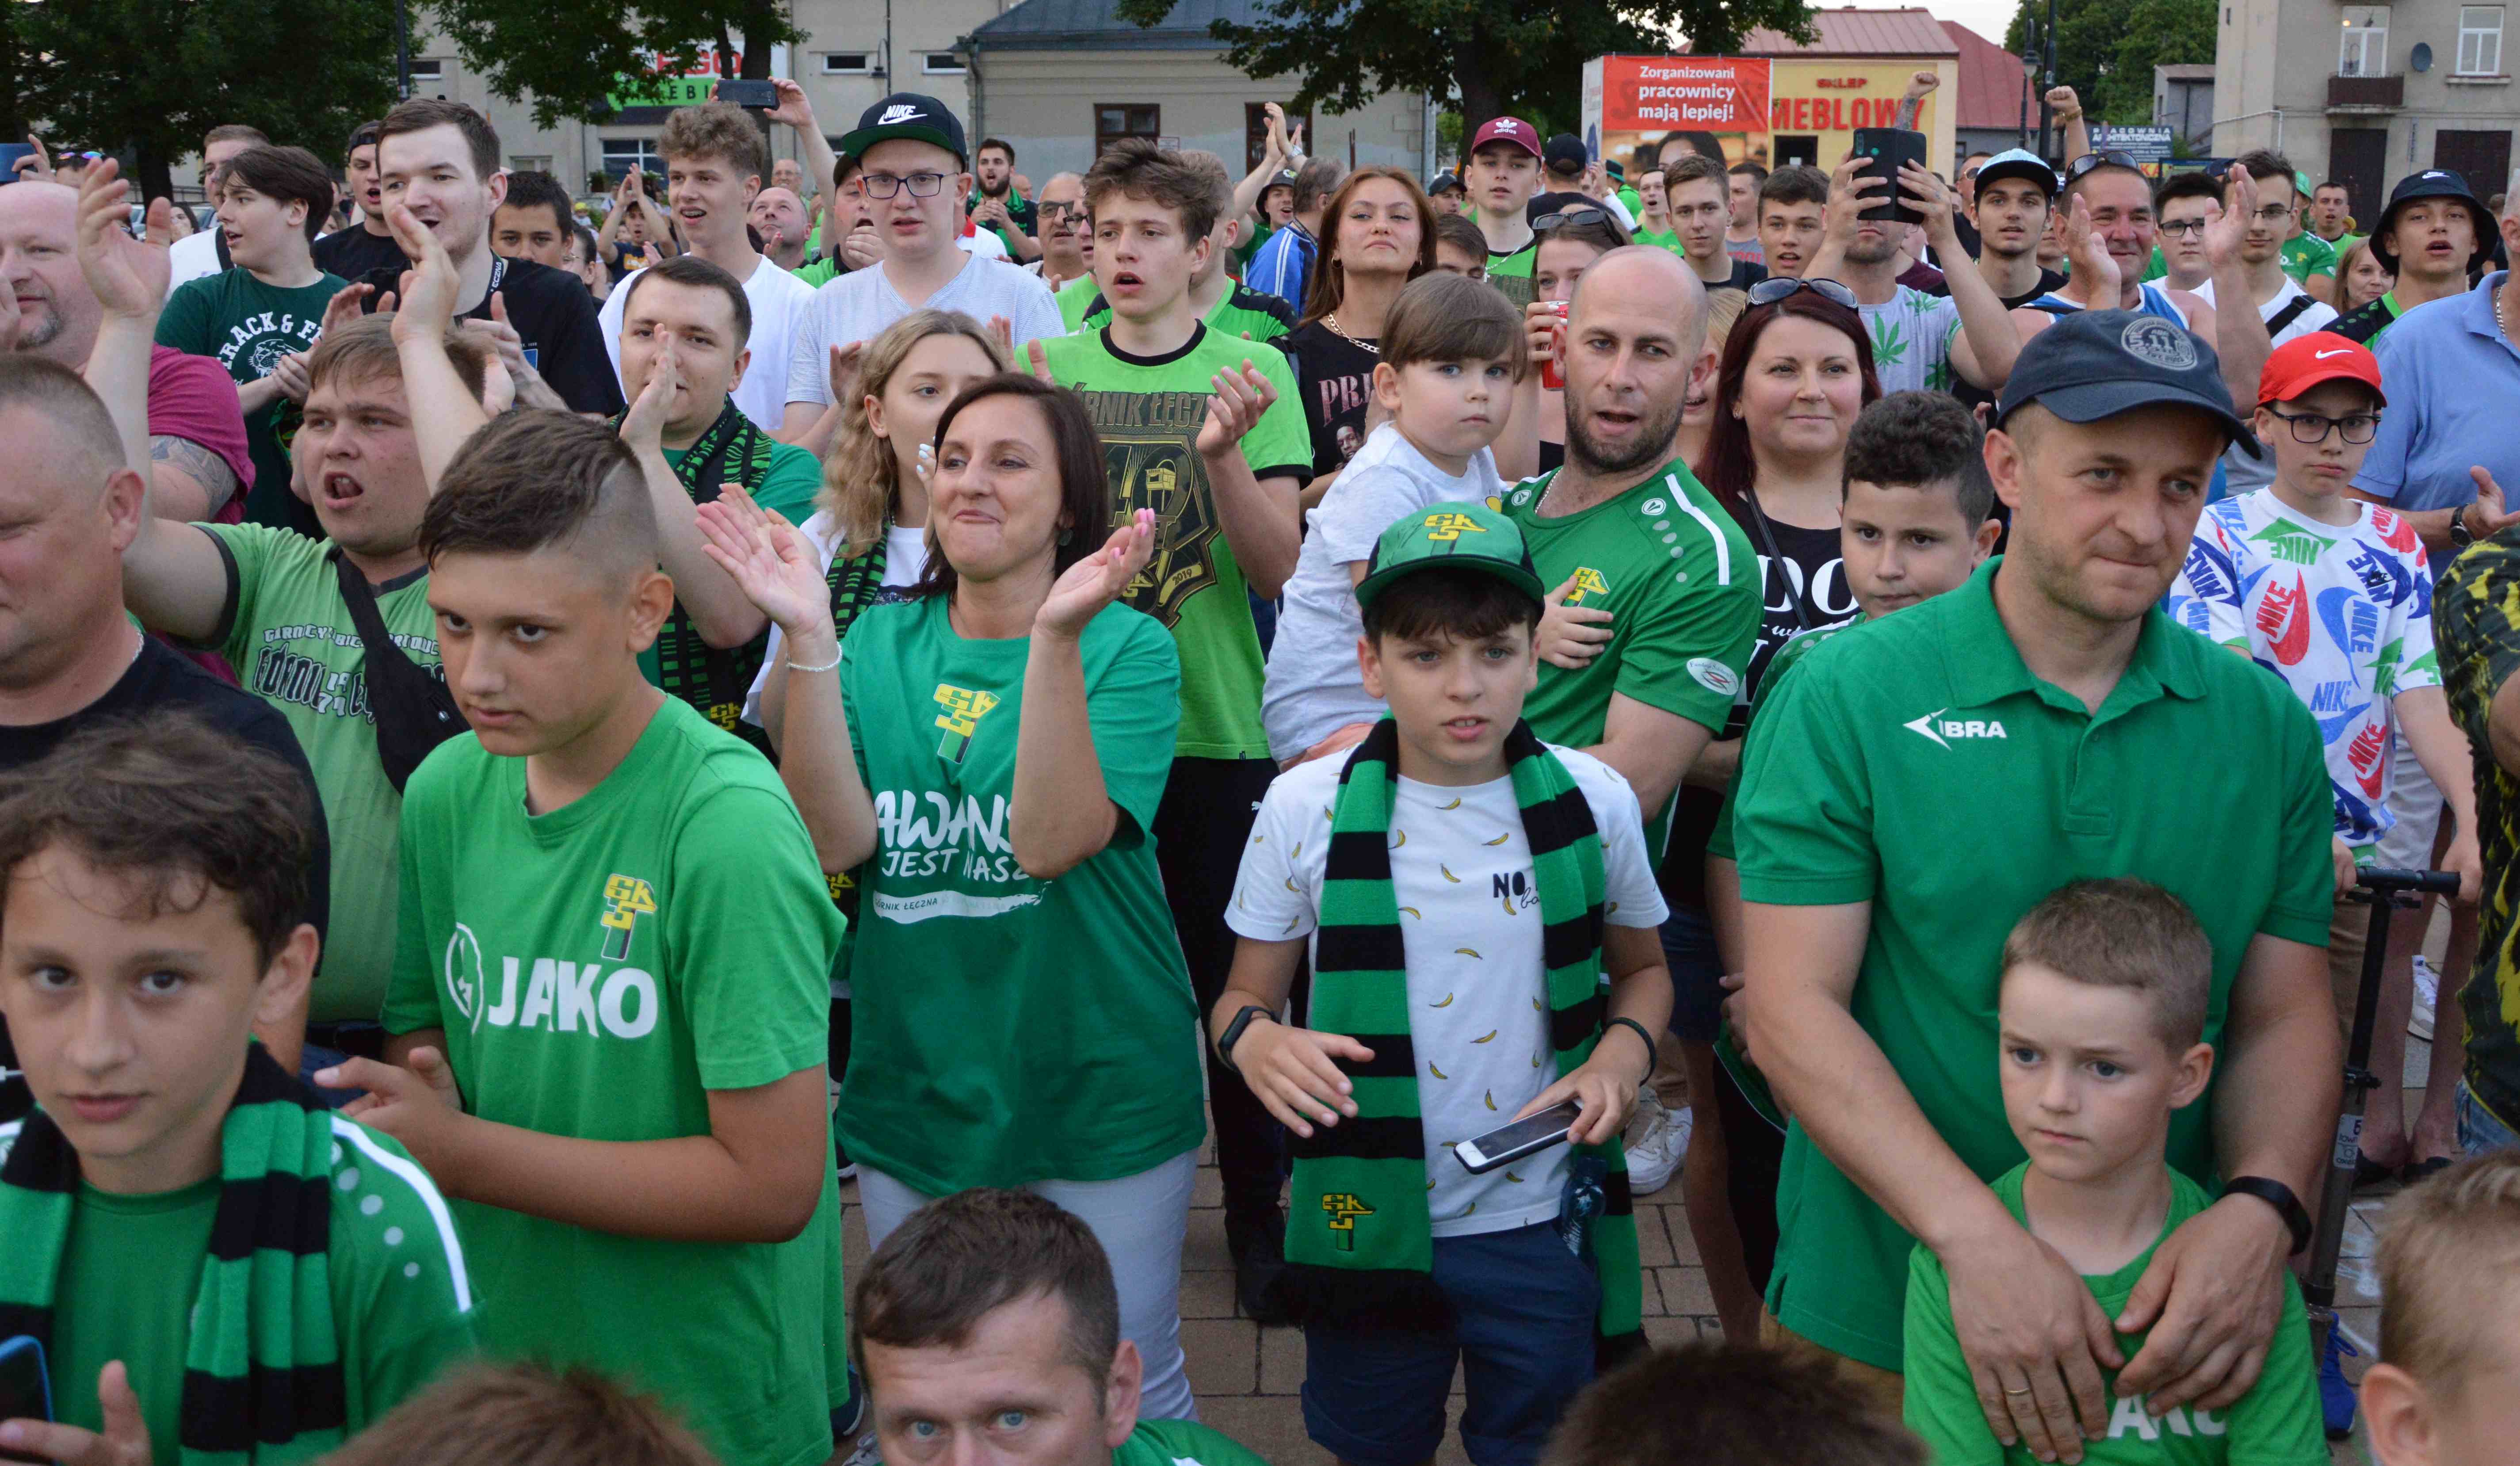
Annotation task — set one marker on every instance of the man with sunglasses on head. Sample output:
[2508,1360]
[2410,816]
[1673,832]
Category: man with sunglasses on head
[1919,341]
[914,177]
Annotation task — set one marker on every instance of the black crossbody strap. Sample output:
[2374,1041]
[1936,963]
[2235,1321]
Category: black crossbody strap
[411,707]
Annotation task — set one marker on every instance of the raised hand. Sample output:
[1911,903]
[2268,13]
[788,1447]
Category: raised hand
[344,307]
[429,288]
[2239,208]
[2064,103]
[35,166]
[794,108]
[1850,185]
[1002,331]
[2486,516]
[642,427]
[158,219]
[1095,581]
[127,276]
[1927,195]
[860,248]
[420,1106]
[1040,363]
[774,564]
[844,370]
[1922,83]
[2095,270]
[1234,404]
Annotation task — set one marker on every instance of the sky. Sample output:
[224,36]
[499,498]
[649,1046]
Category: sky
[1988,18]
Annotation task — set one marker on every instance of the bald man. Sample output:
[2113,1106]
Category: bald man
[780,217]
[198,465]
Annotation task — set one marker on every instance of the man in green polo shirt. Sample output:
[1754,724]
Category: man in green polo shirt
[1625,529]
[1931,776]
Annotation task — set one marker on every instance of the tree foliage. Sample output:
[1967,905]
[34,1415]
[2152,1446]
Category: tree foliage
[1490,57]
[568,55]
[2127,40]
[151,77]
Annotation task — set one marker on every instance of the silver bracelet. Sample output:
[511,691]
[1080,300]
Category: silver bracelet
[819,667]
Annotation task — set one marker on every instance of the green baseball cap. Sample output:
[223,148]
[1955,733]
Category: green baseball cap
[1454,537]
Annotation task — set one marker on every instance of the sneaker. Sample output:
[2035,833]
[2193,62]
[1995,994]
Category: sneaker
[2420,1023]
[848,1167]
[866,1452]
[2335,1396]
[1656,1140]
[1258,1246]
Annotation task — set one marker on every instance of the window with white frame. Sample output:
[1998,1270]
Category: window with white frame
[847,62]
[2364,49]
[427,68]
[2480,40]
[943,63]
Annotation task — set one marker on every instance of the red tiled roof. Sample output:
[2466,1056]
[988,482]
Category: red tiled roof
[1990,81]
[1859,32]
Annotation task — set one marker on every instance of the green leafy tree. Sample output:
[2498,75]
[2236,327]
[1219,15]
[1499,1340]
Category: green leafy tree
[147,77]
[568,55]
[2106,49]
[1493,56]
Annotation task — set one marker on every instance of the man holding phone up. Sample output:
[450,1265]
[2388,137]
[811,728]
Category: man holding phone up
[1461,888]
[1919,341]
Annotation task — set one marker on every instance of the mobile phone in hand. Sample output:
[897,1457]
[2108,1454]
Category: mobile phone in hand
[26,1389]
[1481,1154]
[1888,147]
[754,96]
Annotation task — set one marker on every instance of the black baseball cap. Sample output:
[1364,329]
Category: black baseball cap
[2431,183]
[907,115]
[1447,182]
[1565,152]
[2097,364]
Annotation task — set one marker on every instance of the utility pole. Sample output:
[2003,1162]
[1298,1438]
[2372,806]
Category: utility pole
[402,50]
[2046,113]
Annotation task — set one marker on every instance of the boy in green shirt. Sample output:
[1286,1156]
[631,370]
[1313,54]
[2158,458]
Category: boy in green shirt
[183,1220]
[1224,304]
[2102,1017]
[259,317]
[609,1003]
[1206,430]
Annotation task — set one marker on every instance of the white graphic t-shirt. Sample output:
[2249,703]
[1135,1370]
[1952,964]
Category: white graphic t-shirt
[1912,340]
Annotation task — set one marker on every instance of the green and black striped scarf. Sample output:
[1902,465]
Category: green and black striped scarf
[1358,1235]
[262,1366]
[855,581]
[715,679]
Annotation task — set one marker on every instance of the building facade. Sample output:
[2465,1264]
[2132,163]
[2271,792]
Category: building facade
[2366,94]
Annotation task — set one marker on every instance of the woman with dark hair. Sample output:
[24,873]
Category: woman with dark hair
[1379,234]
[992,752]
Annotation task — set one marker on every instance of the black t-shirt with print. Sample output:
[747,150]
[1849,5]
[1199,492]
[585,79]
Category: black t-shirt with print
[1335,376]
[161,680]
[554,314]
[353,253]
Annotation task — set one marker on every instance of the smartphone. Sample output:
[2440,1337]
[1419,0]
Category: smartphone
[1888,147]
[1481,1154]
[26,1389]
[758,96]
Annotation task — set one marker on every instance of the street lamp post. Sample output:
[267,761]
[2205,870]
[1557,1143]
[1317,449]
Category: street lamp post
[2048,83]
[2029,72]
[402,50]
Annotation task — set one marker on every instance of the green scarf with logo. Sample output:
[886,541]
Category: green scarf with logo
[262,1364]
[1358,1235]
[715,679]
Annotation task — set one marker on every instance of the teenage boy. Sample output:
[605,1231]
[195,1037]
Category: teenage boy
[1459,247]
[2429,235]
[1792,207]
[683,350]
[367,246]
[1743,182]
[268,307]
[2102,1017]
[1480,914]
[2183,207]
[440,160]
[1695,189]
[610,1003]
[2014,191]
[1208,432]
[714,160]
[1503,174]
[1653,214]
[997,204]
[533,222]
[204,251]
[2289,311]
[1727,1405]
[186,1221]
[1920,342]
[910,151]
[1229,307]
[2450,1268]
[991,1312]
[1284,262]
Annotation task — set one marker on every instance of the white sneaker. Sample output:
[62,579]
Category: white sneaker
[2420,1023]
[1657,1141]
[866,1452]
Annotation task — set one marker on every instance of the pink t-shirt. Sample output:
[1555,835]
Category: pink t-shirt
[191,397]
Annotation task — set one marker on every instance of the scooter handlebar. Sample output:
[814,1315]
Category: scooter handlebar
[2392,878]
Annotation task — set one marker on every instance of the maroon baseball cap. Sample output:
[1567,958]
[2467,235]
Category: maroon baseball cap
[1514,130]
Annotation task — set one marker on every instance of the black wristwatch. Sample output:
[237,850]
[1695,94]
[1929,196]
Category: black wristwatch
[2460,536]
[2275,1194]
[1233,1031]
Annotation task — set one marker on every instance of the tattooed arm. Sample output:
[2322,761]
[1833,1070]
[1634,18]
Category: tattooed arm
[187,481]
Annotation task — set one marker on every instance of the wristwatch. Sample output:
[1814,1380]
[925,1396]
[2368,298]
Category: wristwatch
[2460,536]
[1241,1021]
[2275,1194]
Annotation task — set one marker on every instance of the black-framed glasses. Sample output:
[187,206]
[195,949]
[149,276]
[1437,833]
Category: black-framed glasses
[886,185]
[2184,227]
[2312,427]
[1777,287]
[2107,157]
[1061,211]
[1567,218]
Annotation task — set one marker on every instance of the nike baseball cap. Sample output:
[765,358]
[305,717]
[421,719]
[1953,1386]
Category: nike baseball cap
[2304,362]
[911,116]
[2018,163]
[2431,183]
[1514,130]
[2094,364]
[1450,537]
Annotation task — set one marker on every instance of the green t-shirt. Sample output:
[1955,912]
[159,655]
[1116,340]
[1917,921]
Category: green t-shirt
[820,270]
[598,970]
[2306,254]
[1075,298]
[1916,764]
[1183,1442]
[249,326]
[1241,314]
[1681,586]
[1510,272]
[2275,1423]
[401,1305]
[289,634]
[1663,240]
[985,1050]
[2155,268]
[1244,252]
[1148,410]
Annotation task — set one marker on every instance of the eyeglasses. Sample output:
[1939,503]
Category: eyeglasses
[1777,287]
[1056,210]
[2274,214]
[2311,427]
[2110,157]
[2183,228]
[886,185]
[1568,217]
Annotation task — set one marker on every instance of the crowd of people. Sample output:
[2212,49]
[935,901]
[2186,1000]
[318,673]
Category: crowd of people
[532,749]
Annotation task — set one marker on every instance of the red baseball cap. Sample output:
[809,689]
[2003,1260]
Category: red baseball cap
[1514,130]
[2304,362]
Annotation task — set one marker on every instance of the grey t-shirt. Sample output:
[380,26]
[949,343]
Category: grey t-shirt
[1312,686]
[859,305]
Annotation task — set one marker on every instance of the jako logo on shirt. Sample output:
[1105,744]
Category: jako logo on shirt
[626,899]
[964,710]
[1936,728]
[561,996]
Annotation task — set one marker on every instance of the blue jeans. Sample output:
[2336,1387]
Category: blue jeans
[2481,1132]
[1523,1335]
[1697,975]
